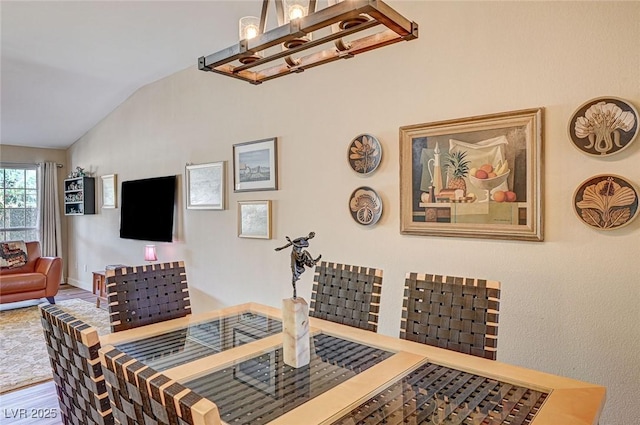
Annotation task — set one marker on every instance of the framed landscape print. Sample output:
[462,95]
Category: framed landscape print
[477,177]
[108,191]
[205,186]
[255,165]
[254,219]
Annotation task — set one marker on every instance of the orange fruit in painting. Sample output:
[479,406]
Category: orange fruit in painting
[481,174]
[487,167]
[499,196]
[492,175]
[511,196]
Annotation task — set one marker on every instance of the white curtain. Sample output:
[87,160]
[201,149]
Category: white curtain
[50,229]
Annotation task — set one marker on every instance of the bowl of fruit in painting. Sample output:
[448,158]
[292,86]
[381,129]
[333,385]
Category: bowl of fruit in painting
[488,177]
[489,183]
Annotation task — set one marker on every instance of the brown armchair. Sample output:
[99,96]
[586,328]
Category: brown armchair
[39,278]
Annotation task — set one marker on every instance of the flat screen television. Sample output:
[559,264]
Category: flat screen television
[147,208]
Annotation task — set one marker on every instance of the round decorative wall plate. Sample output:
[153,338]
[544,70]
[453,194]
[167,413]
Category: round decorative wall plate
[365,154]
[606,202]
[365,206]
[604,126]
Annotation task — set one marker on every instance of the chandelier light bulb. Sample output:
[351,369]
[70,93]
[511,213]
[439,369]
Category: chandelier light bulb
[250,32]
[295,9]
[296,12]
[248,27]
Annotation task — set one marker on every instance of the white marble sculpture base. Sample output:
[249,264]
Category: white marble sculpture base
[295,324]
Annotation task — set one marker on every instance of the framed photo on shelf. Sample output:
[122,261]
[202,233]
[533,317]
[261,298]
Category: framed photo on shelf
[254,219]
[255,165]
[109,198]
[477,177]
[206,185]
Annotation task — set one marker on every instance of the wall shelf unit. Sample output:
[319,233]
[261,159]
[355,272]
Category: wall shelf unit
[80,196]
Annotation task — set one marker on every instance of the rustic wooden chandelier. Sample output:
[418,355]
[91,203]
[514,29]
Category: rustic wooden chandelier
[300,28]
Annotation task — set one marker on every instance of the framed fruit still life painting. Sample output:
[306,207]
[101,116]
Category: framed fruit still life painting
[476,177]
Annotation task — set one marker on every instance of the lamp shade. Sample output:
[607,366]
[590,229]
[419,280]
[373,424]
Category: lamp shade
[295,9]
[150,253]
[248,27]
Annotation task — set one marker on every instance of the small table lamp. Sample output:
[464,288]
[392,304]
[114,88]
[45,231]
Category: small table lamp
[150,253]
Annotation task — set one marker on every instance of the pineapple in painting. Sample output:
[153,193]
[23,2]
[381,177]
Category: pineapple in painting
[457,170]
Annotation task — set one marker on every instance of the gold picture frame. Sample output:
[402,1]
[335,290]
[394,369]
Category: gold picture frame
[440,197]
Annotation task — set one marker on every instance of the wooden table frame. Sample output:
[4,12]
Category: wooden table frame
[569,401]
[100,286]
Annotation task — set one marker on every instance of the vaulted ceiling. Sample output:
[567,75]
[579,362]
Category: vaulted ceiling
[67,64]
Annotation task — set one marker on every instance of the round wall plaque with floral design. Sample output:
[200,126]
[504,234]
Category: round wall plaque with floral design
[606,202]
[604,126]
[365,206]
[364,154]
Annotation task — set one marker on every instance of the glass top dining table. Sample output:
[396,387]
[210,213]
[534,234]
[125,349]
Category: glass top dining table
[233,357]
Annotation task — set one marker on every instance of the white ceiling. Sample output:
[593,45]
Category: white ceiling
[65,65]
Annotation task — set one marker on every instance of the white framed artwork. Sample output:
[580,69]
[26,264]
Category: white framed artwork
[206,186]
[254,219]
[109,195]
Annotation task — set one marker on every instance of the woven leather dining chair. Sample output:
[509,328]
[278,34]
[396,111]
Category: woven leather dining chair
[141,395]
[143,295]
[455,313]
[73,349]
[349,295]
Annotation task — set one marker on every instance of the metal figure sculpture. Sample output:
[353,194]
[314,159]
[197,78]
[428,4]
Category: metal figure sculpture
[299,257]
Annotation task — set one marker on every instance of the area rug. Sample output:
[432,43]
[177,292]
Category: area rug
[24,359]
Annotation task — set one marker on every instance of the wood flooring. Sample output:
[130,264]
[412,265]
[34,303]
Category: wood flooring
[38,404]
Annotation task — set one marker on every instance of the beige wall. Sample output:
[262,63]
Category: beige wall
[569,304]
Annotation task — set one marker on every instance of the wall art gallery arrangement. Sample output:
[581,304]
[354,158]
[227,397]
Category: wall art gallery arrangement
[477,177]
[602,127]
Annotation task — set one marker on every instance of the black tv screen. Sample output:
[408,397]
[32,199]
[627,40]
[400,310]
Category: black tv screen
[147,207]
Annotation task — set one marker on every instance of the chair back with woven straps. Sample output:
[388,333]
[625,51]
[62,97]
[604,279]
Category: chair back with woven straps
[141,395]
[147,294]
[73,349]
[349,295]
[455,313]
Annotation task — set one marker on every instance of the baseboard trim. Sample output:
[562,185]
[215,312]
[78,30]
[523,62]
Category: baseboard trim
[79,284]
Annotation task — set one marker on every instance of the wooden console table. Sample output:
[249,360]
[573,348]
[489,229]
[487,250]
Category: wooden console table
[100,283]
[100,287]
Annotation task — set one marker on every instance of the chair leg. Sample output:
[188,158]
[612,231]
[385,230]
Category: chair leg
[51,300]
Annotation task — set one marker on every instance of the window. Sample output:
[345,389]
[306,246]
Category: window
[19,203]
